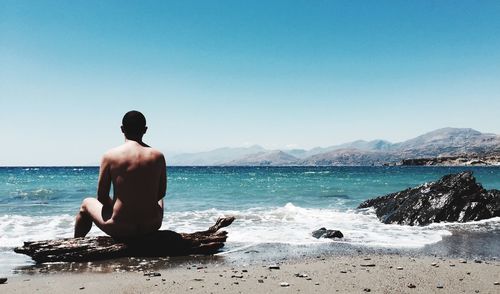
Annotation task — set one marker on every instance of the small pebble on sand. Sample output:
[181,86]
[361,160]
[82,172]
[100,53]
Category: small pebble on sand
[433,264]
[440,286]
[399,268]
[411,286]
[462,261]
[284,284]
[367,289]
[343,272]
[3,280]
[81,288]
[260,281]
[496,283]
[274,266]
[368,264]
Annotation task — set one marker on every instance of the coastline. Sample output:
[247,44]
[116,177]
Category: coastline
[286,223]
[451,161]
[377,273]
[336,267]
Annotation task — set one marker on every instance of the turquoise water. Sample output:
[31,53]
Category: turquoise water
[272,204]
[58,190]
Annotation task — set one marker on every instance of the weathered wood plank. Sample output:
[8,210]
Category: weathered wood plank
[159,244]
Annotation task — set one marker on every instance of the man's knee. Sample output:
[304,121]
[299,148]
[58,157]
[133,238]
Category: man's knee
[85,204]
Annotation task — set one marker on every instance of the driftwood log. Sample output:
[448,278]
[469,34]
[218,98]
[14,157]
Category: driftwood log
[159,244]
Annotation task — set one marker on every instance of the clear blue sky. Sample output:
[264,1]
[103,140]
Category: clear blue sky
[228,73]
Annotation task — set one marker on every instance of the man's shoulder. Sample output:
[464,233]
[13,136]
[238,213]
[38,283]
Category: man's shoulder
[156,153]
[114,154]
[113,151]
[124,151]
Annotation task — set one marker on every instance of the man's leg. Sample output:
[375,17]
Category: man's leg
[90,211]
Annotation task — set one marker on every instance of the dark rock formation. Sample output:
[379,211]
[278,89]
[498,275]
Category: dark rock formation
[324,233]
[158,244]
[454,198]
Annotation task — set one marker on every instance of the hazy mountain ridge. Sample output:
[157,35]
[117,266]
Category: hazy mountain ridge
[217,156]
[275,158]
[350,157]
[449,142]
[441,142]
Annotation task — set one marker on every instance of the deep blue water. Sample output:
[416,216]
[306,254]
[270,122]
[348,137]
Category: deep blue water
[58,190]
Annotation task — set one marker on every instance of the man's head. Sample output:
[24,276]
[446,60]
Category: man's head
[134,125]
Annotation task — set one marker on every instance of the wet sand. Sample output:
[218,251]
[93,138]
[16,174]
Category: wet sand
[461,263]
[376,273]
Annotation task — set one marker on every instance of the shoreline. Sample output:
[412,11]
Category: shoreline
[331,267]
[480,245]
[364,272]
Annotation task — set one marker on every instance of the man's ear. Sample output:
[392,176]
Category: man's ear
[145,129]
[123,131]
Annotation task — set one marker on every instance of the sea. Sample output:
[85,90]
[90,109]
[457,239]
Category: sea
[276,209]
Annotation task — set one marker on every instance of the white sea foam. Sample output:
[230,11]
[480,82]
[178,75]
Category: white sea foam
[15,229]
[289,224]
[316,172]
[33,193]
[293,225]
[477,226]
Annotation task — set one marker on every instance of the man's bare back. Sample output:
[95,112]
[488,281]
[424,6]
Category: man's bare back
[138,175]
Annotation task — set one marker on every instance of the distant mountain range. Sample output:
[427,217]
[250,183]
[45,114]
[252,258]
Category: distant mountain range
[438,143]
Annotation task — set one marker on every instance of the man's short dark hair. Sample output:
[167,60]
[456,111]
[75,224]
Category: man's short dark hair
[134,123]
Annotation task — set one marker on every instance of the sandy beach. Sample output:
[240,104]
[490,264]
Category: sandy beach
[320,274]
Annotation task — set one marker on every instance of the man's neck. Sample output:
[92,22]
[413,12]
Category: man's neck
[137,140]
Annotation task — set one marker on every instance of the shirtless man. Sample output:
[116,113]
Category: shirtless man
[138,174]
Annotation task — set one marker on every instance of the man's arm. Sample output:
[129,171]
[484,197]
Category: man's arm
[104,183]
[163,178]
